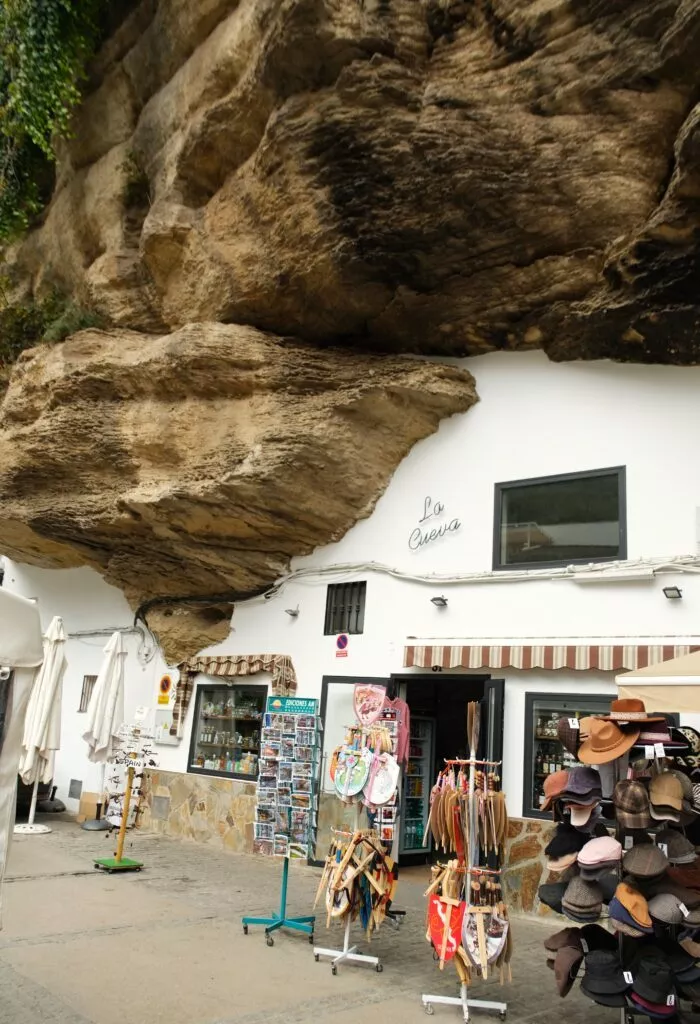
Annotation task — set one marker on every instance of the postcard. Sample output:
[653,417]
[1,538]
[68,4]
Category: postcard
[264,846]
[281,845]
[298,851]
[263,830]
[286,771]
[267,782]
[287,750]
[306,737]
[306,722]
[302,770]
[303,754]
[267,798]
[270,748]
[301,800]
[284,796]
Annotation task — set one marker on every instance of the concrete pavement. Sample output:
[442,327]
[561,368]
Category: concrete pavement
[166,945]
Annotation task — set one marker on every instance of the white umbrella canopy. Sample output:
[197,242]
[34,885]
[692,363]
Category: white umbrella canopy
[672,685]
[42,725]
[105,712]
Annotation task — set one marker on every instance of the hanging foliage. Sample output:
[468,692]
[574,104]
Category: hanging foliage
[44,48]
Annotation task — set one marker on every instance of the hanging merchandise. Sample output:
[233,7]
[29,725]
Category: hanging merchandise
[368,701]
[467,918]
[397,710]
[644,874]
[352,768]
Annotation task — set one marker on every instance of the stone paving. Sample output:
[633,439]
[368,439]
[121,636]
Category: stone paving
[166,945]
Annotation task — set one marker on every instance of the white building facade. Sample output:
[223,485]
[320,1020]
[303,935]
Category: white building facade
[550,587]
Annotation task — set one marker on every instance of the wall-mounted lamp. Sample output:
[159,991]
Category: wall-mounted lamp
[673,593]
[439,602]
[293,612]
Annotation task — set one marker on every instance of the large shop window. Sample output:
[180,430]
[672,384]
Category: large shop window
[345,608]
[226,730]
[560,520]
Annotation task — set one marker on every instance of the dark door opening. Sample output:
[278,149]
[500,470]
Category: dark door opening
[438,705]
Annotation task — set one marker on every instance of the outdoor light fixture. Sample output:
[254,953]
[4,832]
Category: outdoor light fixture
[673,593]
[294,612]
[439,602]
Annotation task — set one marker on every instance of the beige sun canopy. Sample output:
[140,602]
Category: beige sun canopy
[668,686]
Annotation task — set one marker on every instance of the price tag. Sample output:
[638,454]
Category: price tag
[663,848]
[629,842]
[683,909]
[574,723]
[649,752]
[627,975]
[670,1000]
[659,750]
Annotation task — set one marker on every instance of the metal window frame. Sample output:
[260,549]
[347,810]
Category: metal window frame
[230,683]
[86,692]
[500,488]
[350,605]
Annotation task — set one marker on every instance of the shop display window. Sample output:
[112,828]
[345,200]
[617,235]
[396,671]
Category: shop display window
[226,730]
[544,753]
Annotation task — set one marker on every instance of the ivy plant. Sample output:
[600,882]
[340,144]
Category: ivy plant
[44,49]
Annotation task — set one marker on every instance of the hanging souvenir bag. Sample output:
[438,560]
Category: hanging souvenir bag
[368,700]
[352,770]
[383,781]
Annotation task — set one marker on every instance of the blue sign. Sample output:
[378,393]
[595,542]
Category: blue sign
[342,642]
[291,706]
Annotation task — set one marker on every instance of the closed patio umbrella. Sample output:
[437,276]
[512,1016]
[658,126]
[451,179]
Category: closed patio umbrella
[105,715]
[42,726]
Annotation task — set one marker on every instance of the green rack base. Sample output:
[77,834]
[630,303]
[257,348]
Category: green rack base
[111,864]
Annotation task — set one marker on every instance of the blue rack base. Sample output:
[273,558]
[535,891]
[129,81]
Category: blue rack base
[280,920]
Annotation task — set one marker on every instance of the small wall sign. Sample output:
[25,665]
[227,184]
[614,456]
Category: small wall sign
[164,688]
[432,525]
[341,646]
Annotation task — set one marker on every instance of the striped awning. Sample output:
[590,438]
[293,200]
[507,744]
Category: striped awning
[578,657]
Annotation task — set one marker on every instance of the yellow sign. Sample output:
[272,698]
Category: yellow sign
[164,698]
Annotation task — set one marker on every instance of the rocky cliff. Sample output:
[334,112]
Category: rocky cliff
[406,176]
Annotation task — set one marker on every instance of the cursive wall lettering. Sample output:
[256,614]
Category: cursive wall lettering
[425,534]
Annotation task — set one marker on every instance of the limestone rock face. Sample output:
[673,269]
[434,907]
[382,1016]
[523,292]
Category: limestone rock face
[195,464]
[417,175]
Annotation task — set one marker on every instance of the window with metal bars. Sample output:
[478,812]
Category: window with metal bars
[345,608]
[86,693]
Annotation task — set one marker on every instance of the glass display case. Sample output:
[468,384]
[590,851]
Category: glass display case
[544,753]
[226,730]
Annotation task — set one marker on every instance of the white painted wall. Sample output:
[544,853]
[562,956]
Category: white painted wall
[534,418]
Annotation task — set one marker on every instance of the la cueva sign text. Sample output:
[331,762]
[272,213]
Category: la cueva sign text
[433,525]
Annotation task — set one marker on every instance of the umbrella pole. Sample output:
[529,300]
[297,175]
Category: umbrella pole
[119,862]
[30,829]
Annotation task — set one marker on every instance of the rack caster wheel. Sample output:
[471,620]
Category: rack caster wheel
[380,968]
[334,969]
[316,957]
[269,940]
[429,1009]
[311,939]
[502,1015]
[245,929]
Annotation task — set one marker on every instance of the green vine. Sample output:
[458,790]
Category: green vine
[44,49]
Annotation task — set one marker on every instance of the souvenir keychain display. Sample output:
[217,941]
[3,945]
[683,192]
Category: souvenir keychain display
[467,920]
[620,854]
[286,804]
[359,878]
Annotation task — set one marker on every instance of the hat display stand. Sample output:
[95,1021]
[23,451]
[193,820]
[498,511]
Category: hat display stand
[467,921]
[359,876]
[642,978]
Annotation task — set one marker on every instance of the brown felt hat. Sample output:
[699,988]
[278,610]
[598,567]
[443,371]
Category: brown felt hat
[566,966]
[631,710]
[565,937]
[606,742]
[568,737]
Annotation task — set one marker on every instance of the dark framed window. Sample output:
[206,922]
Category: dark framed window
[86,693]
[345,608]
[569,519]
[226,730]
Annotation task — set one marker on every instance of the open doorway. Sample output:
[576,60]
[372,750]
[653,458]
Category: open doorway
[438,706]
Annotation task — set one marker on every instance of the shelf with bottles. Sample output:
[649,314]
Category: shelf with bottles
[226,732]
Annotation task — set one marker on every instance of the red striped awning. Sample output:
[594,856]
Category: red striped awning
[578,657]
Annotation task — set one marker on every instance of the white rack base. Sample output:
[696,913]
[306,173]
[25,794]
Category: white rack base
[464,1003]
[348,954]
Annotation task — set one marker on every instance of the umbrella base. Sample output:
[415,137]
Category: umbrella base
[31,830]
[96,825]
[111,864]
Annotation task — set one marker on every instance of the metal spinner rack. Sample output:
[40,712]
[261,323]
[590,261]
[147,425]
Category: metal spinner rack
[463,1000]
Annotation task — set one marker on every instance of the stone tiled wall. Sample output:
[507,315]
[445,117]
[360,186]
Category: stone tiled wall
[525,862]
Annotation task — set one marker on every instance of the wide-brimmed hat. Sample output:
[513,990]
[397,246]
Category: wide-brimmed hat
[630,710]
[656,1011]
[568,737]
[645,861]
[692,736]
[631,804]
[564,937]
[604,974]
[653,979]
[679,850]
[593,936]
[554,785]
[606,742]
[566,966]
